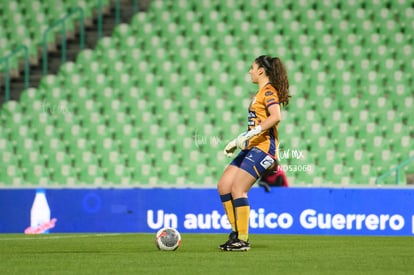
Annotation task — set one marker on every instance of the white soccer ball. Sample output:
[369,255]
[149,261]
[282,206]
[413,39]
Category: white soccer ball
[168,239]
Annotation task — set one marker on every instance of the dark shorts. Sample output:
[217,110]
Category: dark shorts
[253,161]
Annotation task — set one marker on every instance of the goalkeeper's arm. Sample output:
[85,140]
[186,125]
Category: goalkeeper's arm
[273,118]
[269,122]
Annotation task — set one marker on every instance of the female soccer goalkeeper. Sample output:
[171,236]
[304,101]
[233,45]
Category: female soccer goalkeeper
[258,147]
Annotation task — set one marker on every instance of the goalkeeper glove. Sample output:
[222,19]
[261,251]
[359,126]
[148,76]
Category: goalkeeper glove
[242,139]
[230,148]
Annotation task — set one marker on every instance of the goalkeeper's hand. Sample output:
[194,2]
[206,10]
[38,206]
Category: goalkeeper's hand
[241,140]
[230,148]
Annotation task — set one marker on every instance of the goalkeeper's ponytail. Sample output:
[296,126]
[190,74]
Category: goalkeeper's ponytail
[277,74]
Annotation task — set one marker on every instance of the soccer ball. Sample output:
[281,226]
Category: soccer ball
[168,239]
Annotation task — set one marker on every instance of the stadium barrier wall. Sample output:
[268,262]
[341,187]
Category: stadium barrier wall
[309,211]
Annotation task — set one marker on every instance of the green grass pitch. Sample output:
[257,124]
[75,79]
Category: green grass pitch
[198,254]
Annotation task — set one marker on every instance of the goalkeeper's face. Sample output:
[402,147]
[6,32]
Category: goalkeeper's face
[255,72]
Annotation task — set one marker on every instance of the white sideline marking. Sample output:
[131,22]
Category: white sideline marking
[46,237]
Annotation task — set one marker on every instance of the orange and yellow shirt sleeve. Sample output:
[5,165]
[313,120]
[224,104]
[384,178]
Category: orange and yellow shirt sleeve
[267,140]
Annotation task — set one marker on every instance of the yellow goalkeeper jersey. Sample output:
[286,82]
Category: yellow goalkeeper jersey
[267,140]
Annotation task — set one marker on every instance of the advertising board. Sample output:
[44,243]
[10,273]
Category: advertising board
[318,211]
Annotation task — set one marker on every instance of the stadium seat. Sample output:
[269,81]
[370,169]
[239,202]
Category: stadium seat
[12,175]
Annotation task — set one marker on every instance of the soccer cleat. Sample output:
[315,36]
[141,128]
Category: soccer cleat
[232,237]
[238,245]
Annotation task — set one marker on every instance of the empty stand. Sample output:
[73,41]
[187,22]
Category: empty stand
[155,103]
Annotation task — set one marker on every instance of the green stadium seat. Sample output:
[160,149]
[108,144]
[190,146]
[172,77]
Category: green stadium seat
[90,174]
[133,152]
[11,176]
[172,171]
[143,174]
[85,57]
[35,173]
[4,47]
[48,82]
[63,175]
[403,144]
[28,96]
[86,5]
[118,174]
